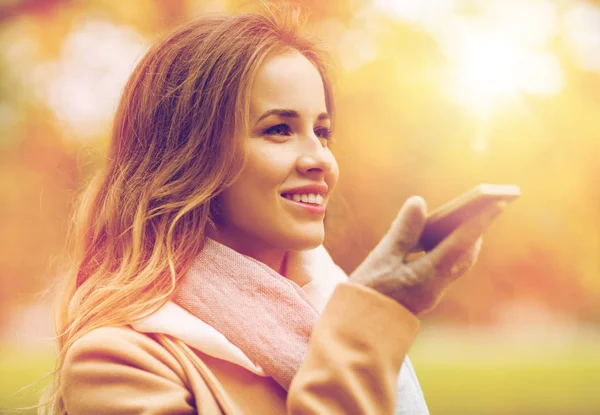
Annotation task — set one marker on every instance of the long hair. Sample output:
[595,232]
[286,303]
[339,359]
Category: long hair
[144,218]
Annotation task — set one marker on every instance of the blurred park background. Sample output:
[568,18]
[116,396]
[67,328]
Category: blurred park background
[434,97]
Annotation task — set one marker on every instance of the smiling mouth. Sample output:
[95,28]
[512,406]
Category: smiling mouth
[309,198]
[312,208]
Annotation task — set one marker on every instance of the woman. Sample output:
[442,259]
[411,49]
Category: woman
[200,283]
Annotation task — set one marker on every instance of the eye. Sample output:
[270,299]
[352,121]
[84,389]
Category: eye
[279,129]
[323,132]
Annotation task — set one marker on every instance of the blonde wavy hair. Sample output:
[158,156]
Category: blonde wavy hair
[144,217]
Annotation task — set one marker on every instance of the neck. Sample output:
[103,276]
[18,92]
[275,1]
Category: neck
[274,258]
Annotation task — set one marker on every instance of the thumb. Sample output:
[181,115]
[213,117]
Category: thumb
[406,229]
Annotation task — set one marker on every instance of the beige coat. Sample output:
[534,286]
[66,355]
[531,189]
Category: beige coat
[351,367]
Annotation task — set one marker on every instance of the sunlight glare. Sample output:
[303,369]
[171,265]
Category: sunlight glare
[494,68]
[531,24]
[582,33]
[488,69]
[497,52]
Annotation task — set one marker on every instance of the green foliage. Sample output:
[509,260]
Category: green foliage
[458,377]
[23,377]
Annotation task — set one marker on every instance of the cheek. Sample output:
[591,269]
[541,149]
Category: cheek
[269,167]
[258,184]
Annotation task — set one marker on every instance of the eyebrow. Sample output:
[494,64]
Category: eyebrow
[286,113]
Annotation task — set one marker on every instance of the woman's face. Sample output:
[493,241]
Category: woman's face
[288,149]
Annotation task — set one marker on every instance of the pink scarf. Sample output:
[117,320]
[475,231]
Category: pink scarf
[267,316]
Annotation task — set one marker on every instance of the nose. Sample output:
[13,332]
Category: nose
[315,160]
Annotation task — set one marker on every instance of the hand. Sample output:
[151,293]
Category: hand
[419,285]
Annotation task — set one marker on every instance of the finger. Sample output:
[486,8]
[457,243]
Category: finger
[426,269]
[450,250]
[406,229]
[466,262]
[413,255]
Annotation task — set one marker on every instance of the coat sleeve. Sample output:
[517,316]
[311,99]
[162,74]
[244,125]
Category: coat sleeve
[115,370]
[354,355]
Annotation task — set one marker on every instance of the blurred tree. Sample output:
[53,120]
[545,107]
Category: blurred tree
[399,132]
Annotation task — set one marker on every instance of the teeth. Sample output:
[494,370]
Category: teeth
[313,198]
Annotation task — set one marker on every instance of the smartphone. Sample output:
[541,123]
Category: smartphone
[443,220]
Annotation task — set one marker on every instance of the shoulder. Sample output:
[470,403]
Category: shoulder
[112,339]
[110,369]
[120,346]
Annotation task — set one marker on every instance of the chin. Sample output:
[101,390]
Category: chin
[304,242]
